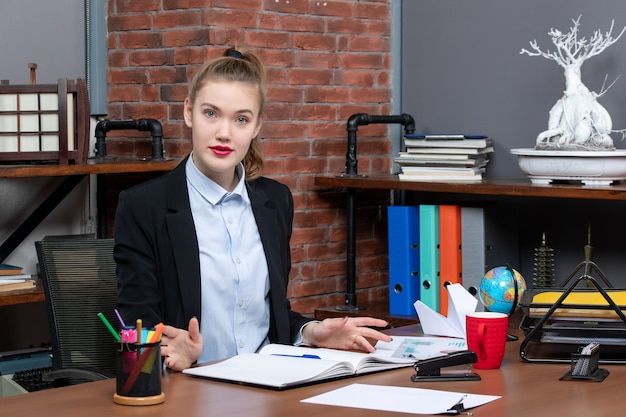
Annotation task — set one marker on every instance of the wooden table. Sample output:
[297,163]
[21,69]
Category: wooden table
[527,390]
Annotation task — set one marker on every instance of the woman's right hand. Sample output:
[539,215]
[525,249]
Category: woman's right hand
[181,348]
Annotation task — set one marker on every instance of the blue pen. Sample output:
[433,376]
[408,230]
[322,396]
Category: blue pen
[306,356]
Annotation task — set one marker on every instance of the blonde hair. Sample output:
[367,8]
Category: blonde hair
[238,64]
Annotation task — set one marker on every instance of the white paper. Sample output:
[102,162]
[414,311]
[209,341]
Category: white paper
[399,399]
[460,303]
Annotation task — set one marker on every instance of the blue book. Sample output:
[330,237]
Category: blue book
[403,236]
[429,255]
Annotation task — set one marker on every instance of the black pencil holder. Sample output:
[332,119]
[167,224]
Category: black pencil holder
[585,367]
[138,376]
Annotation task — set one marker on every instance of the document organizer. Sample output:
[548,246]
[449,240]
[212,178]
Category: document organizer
[44,122]
[556,321]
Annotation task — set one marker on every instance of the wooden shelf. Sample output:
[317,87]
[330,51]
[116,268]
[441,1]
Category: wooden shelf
[31,295]
[92,166]
[515,187]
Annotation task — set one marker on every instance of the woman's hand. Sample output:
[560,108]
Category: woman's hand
[181,348]
[345,333]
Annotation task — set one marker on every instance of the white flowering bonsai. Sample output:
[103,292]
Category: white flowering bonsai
[577,121]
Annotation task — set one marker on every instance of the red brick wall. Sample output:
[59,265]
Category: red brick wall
[326,60]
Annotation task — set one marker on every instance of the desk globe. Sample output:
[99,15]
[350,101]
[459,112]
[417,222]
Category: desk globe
[497,289]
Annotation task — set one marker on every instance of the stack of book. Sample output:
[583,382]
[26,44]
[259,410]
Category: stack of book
[13,278]
[444,157]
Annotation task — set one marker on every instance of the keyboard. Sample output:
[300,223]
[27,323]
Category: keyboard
[31,379]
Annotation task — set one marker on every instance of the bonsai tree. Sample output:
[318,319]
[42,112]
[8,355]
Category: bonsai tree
[577,121]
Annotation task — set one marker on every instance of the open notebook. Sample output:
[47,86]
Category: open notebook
[284,366]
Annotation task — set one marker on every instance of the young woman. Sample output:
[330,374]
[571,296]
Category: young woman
[205,249]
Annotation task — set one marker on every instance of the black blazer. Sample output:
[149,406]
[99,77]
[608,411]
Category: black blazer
[157,255]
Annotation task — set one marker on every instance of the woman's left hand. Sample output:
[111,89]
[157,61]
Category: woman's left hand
[347,333]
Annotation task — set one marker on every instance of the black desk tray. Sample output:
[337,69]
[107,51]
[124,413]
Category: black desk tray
[554,330]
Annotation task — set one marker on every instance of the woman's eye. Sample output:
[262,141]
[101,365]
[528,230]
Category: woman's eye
[242,119]
[209,113]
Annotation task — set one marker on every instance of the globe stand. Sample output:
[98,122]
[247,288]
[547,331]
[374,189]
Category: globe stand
[511,337]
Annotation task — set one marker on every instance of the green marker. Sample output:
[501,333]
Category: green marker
[111,329]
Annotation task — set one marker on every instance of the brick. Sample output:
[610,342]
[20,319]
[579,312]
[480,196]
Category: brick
[184,4]
[185,38]
[315,42]
[171,93]
[140,40]
[138,111]
[317,59]
[372,11]
[324,94]
[125,93]
[186,18]
[261,39]
[332,8]
[127,76]
[326,251]
[158,57]
[168,75]
[346,26]
[287,148]
[314,218]
[234,18]
[129,22]
[150,93]
[291,6]
[367,61]
[123,6]
[304,236]
[370,44]
[310,76]
[298,23]
[251,5]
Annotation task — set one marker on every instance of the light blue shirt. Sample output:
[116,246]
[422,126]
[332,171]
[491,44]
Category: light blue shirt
[234,275]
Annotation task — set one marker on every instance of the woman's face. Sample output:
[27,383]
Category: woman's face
[223,119]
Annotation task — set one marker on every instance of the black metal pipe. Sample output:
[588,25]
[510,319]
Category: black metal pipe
[362,119]
[151,125]
[356,120]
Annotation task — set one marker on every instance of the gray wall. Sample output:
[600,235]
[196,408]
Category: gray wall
[462,71]
[47,32]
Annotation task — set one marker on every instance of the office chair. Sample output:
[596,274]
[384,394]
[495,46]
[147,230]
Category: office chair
[79,282]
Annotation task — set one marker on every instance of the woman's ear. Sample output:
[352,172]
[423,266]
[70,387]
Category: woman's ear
[187,112]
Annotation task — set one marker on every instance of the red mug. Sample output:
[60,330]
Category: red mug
[486,335]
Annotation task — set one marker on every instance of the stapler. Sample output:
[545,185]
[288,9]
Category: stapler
[430,369]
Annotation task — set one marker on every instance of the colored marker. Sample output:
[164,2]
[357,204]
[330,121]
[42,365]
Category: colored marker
[138,327]
[108,325]
[119,317]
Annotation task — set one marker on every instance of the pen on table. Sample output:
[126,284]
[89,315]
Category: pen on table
[108,325]
[119,317]
[306,356]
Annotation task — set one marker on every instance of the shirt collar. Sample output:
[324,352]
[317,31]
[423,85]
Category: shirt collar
[210,190]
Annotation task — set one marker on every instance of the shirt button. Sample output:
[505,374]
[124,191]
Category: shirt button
[230,220]
[238,260]
[240,303]
[240,345]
